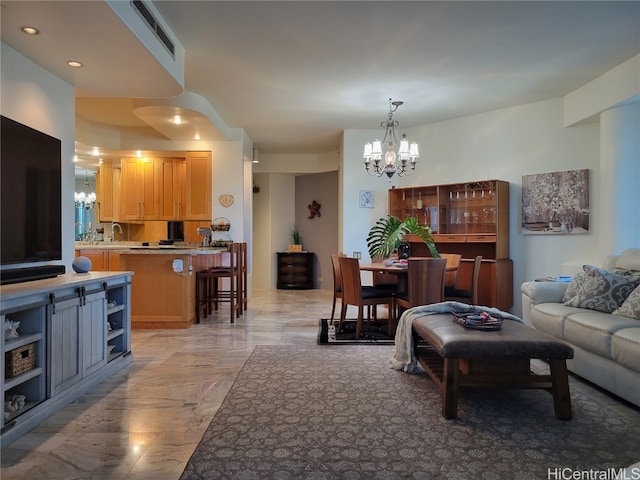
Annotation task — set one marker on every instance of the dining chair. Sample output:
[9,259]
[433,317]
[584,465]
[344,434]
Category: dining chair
[353,293]
[425,283]
[466,296]
[453,266]
[337,281]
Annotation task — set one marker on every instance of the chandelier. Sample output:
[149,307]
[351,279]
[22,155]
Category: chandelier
[389,162]
[85,200]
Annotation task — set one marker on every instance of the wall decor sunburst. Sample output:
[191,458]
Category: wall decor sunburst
[226,199]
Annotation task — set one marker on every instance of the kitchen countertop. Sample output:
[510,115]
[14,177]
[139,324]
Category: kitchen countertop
[135,248]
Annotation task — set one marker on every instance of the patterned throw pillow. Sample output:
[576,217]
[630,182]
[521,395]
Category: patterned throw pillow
[575,285]
[600,289]
[631,306]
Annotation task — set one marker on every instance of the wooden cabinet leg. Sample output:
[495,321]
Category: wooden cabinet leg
[560,389]
[449,389]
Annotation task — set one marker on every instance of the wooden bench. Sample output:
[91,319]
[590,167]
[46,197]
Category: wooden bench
[460,357]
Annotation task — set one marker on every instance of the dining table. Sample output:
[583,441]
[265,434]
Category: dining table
[396,269]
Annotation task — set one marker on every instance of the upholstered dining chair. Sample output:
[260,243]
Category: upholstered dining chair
[425,283]
[453,266]
[353,293]
[466,296]
[337,281]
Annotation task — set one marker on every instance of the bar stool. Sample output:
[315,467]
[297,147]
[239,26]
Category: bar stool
[242,270]
[209,291]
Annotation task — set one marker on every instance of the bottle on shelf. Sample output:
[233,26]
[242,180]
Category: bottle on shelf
[419,201]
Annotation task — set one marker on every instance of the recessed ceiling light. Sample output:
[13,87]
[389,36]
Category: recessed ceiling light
[73,63]
[197,136]
[30,30]
[95,152]
[177,119]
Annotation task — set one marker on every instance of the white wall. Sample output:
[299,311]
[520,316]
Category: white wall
[319,233]
[34,97]
[273,219]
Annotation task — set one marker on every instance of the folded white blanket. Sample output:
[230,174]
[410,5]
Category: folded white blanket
[403,355]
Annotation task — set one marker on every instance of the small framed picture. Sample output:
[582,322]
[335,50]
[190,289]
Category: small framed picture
[367,199]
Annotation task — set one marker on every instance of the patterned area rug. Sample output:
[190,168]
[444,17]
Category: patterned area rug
[305,412]
[372,333]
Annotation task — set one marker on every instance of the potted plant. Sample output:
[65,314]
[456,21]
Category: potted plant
[387,235]
[296,238]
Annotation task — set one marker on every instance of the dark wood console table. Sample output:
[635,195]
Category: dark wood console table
[295,270]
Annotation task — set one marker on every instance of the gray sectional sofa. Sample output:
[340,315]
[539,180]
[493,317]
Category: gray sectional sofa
[598,314]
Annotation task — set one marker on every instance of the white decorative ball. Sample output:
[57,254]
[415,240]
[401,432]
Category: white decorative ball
[81,264]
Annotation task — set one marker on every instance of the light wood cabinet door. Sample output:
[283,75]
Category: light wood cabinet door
[104,192]
[172,189]
[198,186]
[139,192]
[99,258]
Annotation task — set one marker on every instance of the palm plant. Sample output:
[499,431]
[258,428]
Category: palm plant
[388,233]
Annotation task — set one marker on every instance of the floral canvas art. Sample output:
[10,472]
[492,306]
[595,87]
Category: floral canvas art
[556,202]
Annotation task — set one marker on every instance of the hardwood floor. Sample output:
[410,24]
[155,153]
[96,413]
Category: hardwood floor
[146,421]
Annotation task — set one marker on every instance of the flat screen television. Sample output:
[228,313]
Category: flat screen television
[30,195]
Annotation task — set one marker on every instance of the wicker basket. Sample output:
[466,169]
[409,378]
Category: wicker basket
[221,224]
[20,360]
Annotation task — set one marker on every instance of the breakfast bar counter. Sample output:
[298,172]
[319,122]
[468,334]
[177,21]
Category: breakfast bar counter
[163,287]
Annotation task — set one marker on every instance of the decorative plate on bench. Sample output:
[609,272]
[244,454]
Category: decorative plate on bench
[478,321]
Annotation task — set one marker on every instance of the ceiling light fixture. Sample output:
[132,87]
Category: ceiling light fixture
[177,119]
[29,30]
[85,200]
[74,64]
[403,162]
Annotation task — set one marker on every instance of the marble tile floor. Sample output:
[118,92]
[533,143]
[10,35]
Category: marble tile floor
[146,421]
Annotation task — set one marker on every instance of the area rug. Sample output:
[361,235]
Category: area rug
[311,412]
[371,333]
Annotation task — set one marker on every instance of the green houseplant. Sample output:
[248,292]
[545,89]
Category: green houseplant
[387,234]
[295,236]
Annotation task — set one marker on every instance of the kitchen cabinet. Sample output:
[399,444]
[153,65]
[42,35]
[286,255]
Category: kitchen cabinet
[172,195]
[140,189]
[104,192]
[99,258]
[471,219]
[108,193]
[198,186]
[161,297]
[67,326]
[102,259]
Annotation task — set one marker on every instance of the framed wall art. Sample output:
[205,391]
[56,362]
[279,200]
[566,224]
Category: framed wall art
[367,199]
[555,203]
